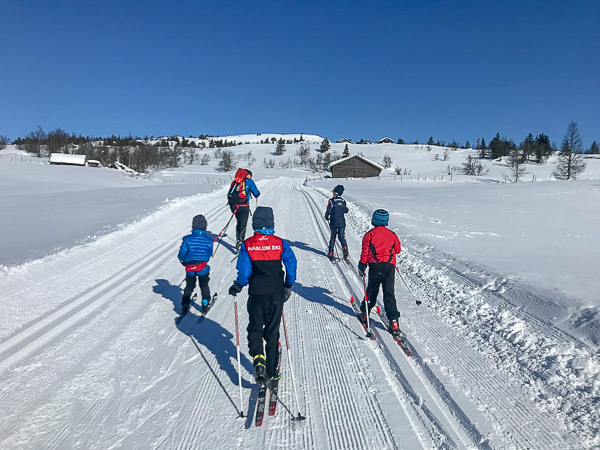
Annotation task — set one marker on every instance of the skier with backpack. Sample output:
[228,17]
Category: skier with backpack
[195,251]
[238,198]
[336,210]
[380,245]
[260,265]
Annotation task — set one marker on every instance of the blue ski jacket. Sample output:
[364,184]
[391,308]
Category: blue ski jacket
[336,209]
[196,248]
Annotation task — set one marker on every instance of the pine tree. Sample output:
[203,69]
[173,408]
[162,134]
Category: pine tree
[594,148]
[325,145]
[280,147]
[346,152]
[570,160]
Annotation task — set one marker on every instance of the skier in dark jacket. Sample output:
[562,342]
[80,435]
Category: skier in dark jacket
[336,210]
[238,198]
[260,266]
[194,253]
[380,245]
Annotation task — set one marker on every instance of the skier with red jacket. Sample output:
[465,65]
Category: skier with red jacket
[380,245]
[238,198]
[260,265]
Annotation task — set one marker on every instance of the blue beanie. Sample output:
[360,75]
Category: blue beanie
[339,189]
[380,218]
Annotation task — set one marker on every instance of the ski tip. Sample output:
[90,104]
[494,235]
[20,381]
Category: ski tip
[352,299]
[378,309]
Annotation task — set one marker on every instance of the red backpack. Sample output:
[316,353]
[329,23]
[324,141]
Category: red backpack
[237,191]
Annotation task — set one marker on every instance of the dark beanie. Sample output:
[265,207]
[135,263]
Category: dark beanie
[339,189]
[380,217]
[249,172]
[263,218]
[199,223]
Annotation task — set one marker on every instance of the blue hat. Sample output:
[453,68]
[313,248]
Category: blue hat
[339,189]
[380,218]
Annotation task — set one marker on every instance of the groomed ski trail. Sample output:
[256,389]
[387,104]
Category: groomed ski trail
[99,362]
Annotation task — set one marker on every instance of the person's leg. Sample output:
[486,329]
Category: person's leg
[373,285]
[256,323]
[342,238]
[190,285]
[272,333]
[332,242]
[389,297]
[242,222]
[204,288]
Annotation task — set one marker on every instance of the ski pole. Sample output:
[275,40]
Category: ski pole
[287,345]
[237,338]
[418,302]
[223,231]
[369,333]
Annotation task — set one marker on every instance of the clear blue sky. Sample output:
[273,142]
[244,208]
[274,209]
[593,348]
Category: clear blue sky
[359,69]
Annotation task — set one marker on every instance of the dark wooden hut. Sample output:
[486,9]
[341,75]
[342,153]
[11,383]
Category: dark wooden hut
[354,166]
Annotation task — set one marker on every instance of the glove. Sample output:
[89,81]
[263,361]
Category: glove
[235,289]
[361,269]
[287,292]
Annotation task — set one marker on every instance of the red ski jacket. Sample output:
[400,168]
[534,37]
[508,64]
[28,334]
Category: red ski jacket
[380,244]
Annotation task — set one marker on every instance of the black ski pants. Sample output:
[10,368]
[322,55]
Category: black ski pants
[264,313]
[241,216]
[382,274]
[190,285]
[340,233]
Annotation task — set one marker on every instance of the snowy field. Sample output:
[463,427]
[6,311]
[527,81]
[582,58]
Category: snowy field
[505,344]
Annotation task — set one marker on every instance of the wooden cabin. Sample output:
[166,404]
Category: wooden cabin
[354,166]
[67,159]
[385,140]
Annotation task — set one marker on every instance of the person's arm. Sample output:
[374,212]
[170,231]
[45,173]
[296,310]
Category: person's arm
[251,187]
[183,250]
[364,255]
[290,263]
[397,246]
[244,267]
[329,209]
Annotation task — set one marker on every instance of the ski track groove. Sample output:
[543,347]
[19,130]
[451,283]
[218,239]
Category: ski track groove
[427,417]
[489,387]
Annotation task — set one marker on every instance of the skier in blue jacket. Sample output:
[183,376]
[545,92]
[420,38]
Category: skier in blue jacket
[336,210]
[194,253]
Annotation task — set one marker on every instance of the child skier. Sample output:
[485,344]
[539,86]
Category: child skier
[260,266]
[238,198]
[380,245]
[194,253]
[336,209]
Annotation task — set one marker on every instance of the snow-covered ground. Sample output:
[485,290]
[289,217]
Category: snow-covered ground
[505,343]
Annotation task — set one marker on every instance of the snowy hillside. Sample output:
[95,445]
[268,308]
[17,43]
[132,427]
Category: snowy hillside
[505,343]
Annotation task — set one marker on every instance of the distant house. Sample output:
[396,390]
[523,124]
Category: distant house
[354,166]
[94,163]
[385,140]
[64,158]
[345,141]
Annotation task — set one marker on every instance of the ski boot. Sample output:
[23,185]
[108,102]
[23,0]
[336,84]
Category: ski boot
[330,256]
[362,317]
[394,328]
[260,369]
[345,252]
[238,245]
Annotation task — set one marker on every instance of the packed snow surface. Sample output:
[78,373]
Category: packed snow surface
[505,343]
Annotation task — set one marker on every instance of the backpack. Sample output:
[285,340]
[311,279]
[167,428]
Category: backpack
[237,190]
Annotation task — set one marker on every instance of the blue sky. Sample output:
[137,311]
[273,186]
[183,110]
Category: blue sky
[412,69]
